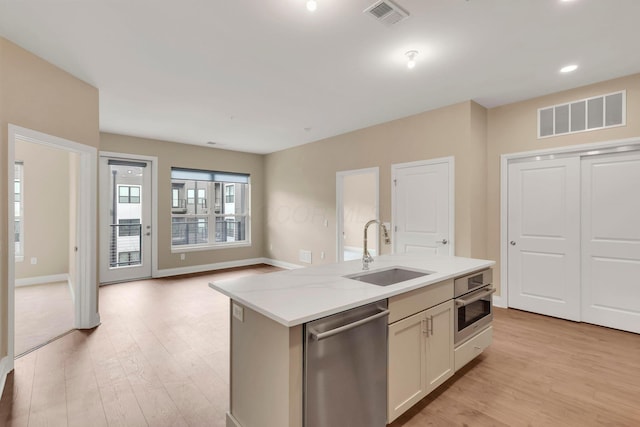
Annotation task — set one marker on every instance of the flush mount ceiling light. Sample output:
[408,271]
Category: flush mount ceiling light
[568,68]
[411,55]
[312,5]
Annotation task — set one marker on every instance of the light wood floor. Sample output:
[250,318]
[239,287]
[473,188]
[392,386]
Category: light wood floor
[43,312]
[541,371]
[160,358]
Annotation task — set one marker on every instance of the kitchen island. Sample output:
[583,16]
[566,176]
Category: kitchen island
[268,313]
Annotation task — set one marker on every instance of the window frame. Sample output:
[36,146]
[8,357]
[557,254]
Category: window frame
[18,178]
[129,197]
[213,215]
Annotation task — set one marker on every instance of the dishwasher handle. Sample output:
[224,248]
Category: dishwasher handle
[322,335]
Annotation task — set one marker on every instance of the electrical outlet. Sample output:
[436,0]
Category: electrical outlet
[271,247]
[305,256]
[34,260]
[183,257]
[322,255]
[326,222]
[238,312]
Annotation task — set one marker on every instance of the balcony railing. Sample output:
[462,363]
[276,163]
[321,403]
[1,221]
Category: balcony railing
[125,245]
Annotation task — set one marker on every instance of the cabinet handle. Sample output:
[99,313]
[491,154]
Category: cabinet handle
[430,325]
[423,325]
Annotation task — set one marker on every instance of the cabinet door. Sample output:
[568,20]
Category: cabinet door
[440,356]
[407,357]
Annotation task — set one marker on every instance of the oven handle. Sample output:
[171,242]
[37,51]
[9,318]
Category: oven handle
[461,302]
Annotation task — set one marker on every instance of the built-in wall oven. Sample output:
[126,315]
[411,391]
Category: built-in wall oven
[473,302]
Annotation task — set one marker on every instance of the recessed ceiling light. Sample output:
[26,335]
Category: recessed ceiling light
[568,68]
[312,5]
[211,143]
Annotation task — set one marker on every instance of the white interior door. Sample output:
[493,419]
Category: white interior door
[611,241]
[544,237]
[422,207]
[125,219]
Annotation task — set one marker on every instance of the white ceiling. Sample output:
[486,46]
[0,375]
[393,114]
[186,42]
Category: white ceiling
[252,75]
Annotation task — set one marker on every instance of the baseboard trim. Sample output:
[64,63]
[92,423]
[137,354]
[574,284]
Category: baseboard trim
[282,264]
[5,368]
[168,272]
[231,421]
[498,301]
[40,280]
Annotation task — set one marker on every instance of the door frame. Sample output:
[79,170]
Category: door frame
[581,150]
[340,205]
[450,161]
[153,161]
[85,288]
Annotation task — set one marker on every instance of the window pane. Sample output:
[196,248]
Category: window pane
[125,229]
[123,192]
[175,198]
[189,231]
[231,229]
[134,191]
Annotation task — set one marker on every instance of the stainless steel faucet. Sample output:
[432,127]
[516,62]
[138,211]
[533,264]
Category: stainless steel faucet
[366,256]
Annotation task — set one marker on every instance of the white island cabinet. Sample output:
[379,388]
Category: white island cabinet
[268,313]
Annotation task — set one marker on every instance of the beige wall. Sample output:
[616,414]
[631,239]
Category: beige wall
[189,156]
[513,129]
[46,210]
[359,204]
[301,181]
[37,95]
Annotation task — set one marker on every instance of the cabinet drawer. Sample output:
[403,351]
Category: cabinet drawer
[472,348]
[412,302]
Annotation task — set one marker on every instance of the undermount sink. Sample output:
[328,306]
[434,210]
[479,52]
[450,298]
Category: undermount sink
[388,276]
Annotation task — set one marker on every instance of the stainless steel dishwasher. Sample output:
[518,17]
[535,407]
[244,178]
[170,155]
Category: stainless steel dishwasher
[345,368]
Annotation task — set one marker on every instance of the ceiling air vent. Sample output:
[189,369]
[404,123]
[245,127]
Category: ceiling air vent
[387,12]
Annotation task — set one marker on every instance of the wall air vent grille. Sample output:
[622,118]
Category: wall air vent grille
[387,12]
[594,113]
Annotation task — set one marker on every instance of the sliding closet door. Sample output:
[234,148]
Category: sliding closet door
[611,241]
[544,237]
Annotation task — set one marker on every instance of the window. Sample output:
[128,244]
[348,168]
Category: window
[175,198]
[128,258]
[229,193]
[129,227]
[18,209]
[128,194]
[225,224]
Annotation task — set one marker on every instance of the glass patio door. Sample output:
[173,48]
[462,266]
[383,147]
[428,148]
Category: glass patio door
[125,219]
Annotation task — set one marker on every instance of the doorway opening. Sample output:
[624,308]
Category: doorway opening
[127,247]
[357,193]
[52,210]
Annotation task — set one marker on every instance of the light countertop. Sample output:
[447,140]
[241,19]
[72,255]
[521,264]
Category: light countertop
[298,296]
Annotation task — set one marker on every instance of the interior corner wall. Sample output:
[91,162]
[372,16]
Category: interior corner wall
[513,129]
[301,181]
[171,154]
[46,210]
[37,95]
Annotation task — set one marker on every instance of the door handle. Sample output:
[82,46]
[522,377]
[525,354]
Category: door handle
[148,233]
[443,241]
[512,243]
